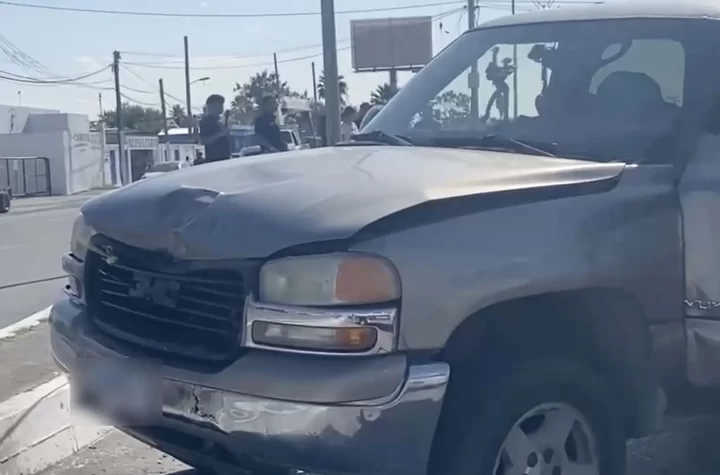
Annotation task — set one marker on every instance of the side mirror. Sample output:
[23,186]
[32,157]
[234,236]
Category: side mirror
[251,150]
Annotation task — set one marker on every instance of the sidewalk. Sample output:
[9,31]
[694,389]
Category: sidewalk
[37,427]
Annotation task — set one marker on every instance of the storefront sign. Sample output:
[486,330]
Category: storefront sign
[141,142]
[81,141]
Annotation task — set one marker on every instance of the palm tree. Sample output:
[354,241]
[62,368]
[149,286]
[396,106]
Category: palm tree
[382,94]
[178,115]
[342,85]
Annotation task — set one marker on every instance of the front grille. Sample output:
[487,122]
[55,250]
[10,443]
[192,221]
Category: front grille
[193,313]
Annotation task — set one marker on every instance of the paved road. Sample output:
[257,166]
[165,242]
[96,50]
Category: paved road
[33,236]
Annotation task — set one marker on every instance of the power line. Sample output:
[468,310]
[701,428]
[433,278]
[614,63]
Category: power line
[239,66]
[169,65]
[180,58]
[9,76]
[221,15]
[141,103]
[167,94]
[253,15]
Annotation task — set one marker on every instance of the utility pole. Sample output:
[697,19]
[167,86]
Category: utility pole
[118,114]
[163,108]
[515,77]
[330,65]
[100,104]
[188,104]
[474,76]
[277,76]
[314,83]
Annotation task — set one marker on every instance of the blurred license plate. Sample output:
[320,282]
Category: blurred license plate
[127,393]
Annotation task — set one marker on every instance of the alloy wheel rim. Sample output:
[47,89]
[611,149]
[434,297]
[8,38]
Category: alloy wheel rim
[549,439]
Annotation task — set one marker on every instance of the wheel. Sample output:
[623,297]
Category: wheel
[539,418]
[4,203]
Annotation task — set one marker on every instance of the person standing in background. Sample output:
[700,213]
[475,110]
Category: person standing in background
[213,130]
[364,108]
[347,124]
[266,127]
[370,115]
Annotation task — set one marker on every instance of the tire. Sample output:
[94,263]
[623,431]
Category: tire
[527,402]
[4,203]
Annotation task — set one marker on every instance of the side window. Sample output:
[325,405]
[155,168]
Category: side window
[662,60]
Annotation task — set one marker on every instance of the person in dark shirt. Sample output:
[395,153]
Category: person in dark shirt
[266,128]
[213,131]
[364,108]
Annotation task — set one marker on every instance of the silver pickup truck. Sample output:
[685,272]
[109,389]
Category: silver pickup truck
[508,286]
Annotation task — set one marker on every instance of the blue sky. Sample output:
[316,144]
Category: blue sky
[228,50]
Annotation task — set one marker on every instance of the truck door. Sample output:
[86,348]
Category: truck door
[699,192]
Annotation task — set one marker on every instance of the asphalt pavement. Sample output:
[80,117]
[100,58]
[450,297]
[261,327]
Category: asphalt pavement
[33,236]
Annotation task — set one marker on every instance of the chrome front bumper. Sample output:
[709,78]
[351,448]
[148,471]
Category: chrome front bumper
[392,434]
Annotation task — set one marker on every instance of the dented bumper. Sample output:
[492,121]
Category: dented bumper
[267,410]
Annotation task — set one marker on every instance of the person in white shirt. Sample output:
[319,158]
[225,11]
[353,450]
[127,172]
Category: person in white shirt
[347,124]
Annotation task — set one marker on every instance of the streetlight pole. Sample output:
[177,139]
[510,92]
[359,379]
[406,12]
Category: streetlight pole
[206,78]
[515,76]
[474,76]
[187,86]
[332,86]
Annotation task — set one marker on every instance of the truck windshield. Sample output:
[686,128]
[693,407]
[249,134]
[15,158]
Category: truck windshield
[601,90]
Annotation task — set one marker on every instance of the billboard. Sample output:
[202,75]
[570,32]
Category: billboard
[401,44]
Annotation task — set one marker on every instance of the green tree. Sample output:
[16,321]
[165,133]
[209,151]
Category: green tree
[248,96]
[136,118]
[342,86]
[382,94]
[452,108]
[178,115]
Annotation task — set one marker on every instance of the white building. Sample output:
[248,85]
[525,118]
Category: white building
[48,152]
[72,158]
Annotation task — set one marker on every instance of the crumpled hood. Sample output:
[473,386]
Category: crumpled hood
[254,207]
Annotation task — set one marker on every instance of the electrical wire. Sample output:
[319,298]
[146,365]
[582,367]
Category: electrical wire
[257,15]
[141,103]
[181,59]
[239,66]
[169,65]
[9,76]
[223,15]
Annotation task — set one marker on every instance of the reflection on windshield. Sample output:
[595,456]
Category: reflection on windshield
[602,90]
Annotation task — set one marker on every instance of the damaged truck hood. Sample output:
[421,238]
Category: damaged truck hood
[255,207]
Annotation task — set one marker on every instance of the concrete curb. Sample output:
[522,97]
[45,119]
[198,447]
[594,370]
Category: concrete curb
[37,429]
[25,324]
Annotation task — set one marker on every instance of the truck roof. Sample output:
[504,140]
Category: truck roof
[697,9]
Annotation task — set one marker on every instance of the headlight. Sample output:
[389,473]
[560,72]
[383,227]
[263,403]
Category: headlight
[80,240]
[331,279]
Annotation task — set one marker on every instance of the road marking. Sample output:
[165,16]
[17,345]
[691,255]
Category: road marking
[9,246]
[25,324]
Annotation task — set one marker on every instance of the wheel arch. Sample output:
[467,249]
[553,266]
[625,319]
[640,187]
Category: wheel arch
[605,327]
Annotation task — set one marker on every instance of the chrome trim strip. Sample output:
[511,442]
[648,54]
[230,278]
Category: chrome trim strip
[385,320]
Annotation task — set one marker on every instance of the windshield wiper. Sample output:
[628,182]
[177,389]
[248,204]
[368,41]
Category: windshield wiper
[378,136]
[494,141]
